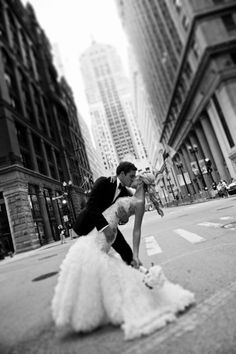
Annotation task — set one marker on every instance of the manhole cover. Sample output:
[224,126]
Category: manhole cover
[46,257]
[45,276]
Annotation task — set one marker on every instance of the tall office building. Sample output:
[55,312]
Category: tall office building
[94,158]
[109,97]
[39,136]
[186,50]
[145,115]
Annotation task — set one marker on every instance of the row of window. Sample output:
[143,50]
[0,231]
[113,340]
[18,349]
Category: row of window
[18,40]
[229,21]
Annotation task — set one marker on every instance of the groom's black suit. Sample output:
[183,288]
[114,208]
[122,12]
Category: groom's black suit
[100,199]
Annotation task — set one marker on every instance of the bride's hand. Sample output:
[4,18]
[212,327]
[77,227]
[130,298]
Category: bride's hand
[136,263]
[160,212]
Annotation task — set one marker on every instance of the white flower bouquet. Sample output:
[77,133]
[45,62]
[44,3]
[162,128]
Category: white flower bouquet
[153,277]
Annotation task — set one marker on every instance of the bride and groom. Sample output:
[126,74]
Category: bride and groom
[95,287]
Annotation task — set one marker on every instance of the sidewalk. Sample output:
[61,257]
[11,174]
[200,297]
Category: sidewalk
[26,254]
[189,201]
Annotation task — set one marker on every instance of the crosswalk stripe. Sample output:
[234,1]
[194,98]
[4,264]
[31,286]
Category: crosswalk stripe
[208,223]
[226,218]
[189,236]
[152,246]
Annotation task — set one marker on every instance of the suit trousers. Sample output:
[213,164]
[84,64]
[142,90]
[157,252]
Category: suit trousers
[121,246]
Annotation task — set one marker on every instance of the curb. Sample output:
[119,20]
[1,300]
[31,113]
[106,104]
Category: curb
[30,253]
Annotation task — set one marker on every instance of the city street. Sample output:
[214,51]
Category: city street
[196,246]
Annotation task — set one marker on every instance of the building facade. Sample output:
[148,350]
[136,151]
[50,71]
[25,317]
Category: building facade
[186,50]
[39,134]
[95,160]
[110,102]
[145,115]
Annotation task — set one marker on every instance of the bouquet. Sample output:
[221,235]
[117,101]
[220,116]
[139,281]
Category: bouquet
[153,277]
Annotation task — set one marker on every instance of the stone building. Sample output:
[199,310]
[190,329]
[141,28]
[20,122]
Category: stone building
[186,50]
[41,145]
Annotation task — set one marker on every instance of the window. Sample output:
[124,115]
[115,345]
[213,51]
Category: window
[195,48]
[178,5]
[185,22]
[229,22]
[23,145]
[233,57]
[11,82]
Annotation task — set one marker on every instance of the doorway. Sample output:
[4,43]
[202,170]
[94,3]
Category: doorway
[6,243]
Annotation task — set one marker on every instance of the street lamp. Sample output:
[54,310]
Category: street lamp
[67,187]
[179,165]
[208,164]
[162,187]
[194,150]
[169,179]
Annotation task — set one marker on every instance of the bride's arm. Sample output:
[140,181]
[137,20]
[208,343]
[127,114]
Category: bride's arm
[139,211]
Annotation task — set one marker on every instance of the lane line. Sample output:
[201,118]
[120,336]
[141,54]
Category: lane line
[211,224]
[189,236]
[152,246]
[226,218]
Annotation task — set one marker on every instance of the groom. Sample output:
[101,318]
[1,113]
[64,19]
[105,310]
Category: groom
[104,193]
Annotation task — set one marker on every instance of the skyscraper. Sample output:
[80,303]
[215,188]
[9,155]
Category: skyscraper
[186,52]
[110,102]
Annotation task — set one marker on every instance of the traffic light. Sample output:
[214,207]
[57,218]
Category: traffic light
[64,207]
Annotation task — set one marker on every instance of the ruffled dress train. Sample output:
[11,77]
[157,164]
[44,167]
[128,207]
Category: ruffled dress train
[95,287]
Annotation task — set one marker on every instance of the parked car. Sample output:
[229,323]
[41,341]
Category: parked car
[232,188]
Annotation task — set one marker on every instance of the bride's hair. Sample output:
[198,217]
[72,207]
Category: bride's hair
[148,180]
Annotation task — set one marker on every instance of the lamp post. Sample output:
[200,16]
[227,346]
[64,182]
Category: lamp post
[169,179]
[67,187]
[179,165]
[209,168]
[162,187]
[194,150]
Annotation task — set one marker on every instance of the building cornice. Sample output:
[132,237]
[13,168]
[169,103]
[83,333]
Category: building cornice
[212,12]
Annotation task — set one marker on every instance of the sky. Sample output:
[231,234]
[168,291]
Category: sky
[72,25]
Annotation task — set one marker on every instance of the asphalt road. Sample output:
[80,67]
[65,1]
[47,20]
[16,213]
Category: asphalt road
[196,246]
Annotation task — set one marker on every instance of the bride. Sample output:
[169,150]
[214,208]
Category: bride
[95,287]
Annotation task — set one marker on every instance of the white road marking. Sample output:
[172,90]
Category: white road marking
[189,236]
[211,224]
[152,246]
[226,218]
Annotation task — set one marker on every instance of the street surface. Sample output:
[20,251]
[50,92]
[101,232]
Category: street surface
[196,246]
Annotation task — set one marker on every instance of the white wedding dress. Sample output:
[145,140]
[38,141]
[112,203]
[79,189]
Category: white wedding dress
[95,287]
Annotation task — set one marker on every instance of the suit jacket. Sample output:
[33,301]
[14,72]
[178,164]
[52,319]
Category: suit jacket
[100,199]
